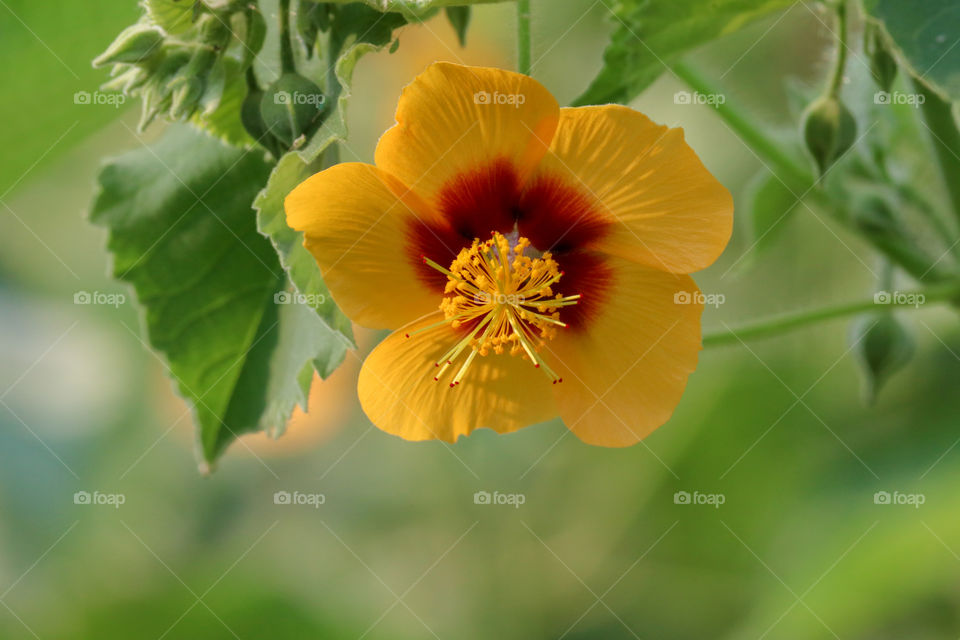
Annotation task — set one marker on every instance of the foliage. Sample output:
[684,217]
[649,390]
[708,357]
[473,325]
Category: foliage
[197,222]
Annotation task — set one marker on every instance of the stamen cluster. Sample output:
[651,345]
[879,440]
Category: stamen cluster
[502,293]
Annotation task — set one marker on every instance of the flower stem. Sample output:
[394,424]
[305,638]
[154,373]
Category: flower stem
[523,36]
[836,79]
[287,63]
[786,322]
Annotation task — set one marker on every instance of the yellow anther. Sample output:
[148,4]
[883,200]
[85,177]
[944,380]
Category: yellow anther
[505,299]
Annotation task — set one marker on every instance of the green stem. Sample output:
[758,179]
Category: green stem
[745,126]
[251,79]
[836,79]
[799,180]
[786,322]
[287,63]
[945,138]
[523,36]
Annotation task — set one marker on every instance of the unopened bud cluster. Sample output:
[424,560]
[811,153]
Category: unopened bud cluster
[184,65]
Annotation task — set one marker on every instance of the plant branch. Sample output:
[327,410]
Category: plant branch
[786,322]
[745,126]
[523,37]
[800,181]
[945,138]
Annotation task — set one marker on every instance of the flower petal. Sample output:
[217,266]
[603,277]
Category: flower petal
[624,374]
[668,211]
[399,394]
[356,219]
[454,120]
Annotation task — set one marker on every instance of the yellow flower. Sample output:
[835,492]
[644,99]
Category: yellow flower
[531,260]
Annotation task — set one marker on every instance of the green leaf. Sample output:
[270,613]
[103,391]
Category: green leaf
[769,207]
[319,152]
[222,118]
[925,37]
[300,265]
[414,7]
[650,34]
[182,232]
[175,16]
[459,18]
[356,24]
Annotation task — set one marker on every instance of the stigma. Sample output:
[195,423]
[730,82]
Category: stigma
[500,298]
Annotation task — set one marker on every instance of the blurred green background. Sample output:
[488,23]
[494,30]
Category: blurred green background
[398,549]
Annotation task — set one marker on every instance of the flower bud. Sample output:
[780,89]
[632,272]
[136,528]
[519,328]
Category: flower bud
[131,78]
[200,63]
[154,103]
[290,106]
[883,65]
[134,44]
[170,65]
[253,122]
[829,130]
[214,30]
[882,346]
[185,96]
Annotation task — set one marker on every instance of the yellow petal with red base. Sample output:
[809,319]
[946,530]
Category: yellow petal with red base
[399,394]
[666,210]
[453,120]
[624,373]
[356,219]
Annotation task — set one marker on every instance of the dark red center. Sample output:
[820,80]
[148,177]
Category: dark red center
[553,215]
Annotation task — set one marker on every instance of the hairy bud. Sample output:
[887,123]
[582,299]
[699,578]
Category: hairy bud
[138,43]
